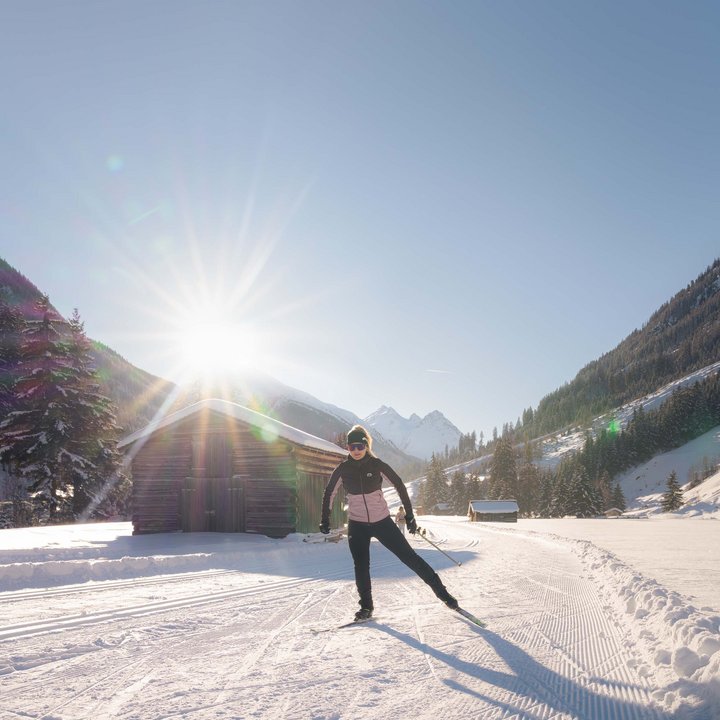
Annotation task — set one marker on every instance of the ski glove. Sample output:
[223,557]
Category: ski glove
[325,527]
[411,524]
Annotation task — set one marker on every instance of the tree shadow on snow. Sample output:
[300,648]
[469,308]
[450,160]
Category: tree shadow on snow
[528,679]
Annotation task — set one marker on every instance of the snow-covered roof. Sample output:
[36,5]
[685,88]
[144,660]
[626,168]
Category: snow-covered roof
[494,506]
[269,427]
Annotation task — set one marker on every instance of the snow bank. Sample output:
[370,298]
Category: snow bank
[679,641]
[74,554]
[62,572]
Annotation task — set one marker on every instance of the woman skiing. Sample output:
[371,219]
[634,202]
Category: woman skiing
[362,475]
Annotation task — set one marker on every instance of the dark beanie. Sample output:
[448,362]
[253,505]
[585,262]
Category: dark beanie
[355,436]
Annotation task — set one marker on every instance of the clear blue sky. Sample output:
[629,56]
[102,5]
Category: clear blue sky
[429,205]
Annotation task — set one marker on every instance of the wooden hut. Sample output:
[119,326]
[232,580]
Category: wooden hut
[217,466]
[493,511]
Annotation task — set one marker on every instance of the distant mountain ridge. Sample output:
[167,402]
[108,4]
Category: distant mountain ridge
[416,436]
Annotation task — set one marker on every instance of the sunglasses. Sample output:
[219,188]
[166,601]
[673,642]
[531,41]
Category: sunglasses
[357,446]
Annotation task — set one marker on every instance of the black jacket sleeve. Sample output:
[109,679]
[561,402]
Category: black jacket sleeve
[399,485]
[329,490]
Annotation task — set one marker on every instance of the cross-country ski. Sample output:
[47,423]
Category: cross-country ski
[351,623]
[469,616]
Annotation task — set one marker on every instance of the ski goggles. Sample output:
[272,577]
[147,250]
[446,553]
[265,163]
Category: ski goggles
[356,447]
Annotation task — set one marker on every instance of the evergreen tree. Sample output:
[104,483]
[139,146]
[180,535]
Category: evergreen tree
[528,489]
[584,499]
[36,432]
[61,436]
[11,328]
[435,485]
[458,497]
[544,503]
[673,498]
[618,499]
[503,472]
[561,491]
[474,490]
[605,489]
[95,431]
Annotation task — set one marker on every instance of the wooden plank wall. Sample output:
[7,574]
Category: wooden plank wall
[314,468]
[281,489]
[158,472]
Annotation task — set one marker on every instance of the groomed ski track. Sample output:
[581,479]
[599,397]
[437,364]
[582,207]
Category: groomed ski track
[238,643]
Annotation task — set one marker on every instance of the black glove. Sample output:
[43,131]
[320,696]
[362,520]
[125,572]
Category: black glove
[325,527]
[411,524]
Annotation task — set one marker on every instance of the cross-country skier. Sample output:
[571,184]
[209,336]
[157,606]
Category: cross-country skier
[362,475]
[400,518]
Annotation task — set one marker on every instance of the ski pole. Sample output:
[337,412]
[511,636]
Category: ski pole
[421,532]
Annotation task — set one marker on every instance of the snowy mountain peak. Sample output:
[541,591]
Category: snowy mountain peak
[416,436]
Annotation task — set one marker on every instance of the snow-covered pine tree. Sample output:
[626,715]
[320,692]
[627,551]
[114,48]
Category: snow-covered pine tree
[57,434]
[528,488]
[95,431]
[503,471]
[561,491]
[604,487]
[585,500]
[673,498]
[34,434]
[544,502]
[618,499]
[11,328]
[474,490]
[434,489]
[458,493]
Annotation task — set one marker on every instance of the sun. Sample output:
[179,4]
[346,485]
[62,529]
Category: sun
[215,349]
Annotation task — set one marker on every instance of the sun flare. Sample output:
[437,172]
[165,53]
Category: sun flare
[215,349]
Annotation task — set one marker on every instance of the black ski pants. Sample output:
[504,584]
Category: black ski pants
[388,533]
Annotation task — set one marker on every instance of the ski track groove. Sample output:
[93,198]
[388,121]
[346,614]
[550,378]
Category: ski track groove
[588,644]
[78,656]
[561,656]
[420,635]
[55,625]
[181,646]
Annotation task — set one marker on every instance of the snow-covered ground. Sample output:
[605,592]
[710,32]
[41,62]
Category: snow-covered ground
[96,623]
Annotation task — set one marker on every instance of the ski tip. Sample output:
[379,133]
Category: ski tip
[469,616]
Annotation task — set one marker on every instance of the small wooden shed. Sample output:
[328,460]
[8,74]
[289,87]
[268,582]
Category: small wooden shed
[216,466]
[493,511]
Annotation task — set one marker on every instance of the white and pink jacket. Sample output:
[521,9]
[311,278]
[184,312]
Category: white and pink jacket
[362,481]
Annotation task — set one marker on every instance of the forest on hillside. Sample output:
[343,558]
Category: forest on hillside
[681,337]
[583,484]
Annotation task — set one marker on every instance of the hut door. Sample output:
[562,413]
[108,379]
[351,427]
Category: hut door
[205,496]
[230,514]
[218,456]
[193,518]
[218,470]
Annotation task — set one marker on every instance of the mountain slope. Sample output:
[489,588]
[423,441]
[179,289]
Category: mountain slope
[137,394]
[680,337]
